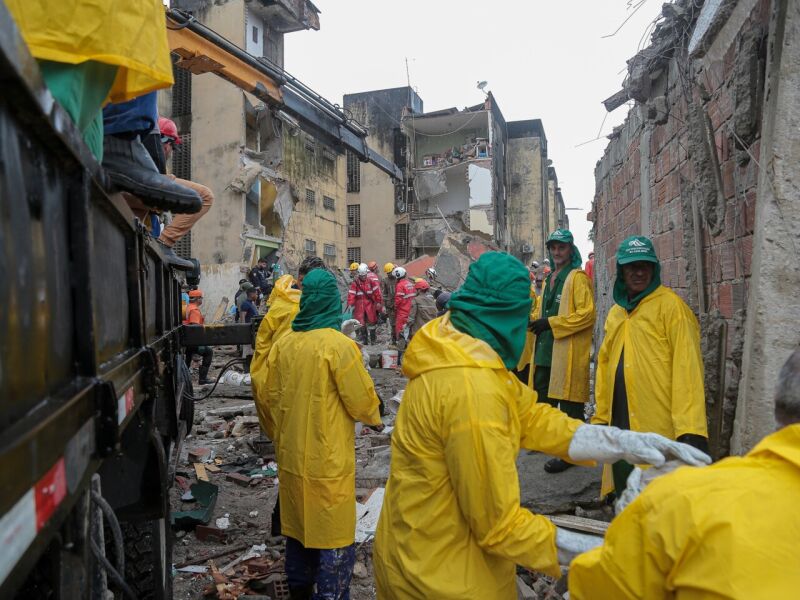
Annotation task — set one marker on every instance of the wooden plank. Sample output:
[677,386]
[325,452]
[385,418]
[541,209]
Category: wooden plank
[200,471]
[580,524]
[212,468]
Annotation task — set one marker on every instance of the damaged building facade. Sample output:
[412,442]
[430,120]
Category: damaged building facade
[279,192]
[472,171]
[706,165]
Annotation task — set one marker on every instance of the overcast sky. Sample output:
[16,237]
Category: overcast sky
[545,60]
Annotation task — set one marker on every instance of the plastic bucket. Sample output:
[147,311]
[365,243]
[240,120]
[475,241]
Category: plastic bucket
[389,359]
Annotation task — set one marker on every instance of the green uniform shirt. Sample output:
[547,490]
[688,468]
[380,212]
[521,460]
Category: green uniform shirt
[551,302]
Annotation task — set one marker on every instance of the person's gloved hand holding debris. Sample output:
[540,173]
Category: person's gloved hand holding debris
[539,326]
[609,444]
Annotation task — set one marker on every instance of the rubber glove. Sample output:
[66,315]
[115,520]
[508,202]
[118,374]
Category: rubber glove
[610,444]
[570,543]
[638,480]
[539,326]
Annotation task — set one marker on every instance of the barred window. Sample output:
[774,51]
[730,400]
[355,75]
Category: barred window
[329,250]
[353,220]
[311,145]
[401,241]
[354,255]
[328,202]
[311,196]
[328,154]
[353,173]
[311,247]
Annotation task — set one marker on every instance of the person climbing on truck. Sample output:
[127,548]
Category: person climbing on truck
[194,316]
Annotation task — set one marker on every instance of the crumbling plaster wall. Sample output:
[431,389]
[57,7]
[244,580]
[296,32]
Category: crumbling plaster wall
[525,197]
[684,170]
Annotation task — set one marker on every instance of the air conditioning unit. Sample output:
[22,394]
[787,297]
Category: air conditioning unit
[526,248]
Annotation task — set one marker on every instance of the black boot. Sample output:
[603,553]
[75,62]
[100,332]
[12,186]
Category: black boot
[131,169]
[301,592]
[556,465]
[173,259]
[373,336]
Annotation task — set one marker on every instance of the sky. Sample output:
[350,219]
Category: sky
[546,60]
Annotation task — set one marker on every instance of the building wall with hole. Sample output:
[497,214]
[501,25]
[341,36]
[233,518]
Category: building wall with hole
[690,147]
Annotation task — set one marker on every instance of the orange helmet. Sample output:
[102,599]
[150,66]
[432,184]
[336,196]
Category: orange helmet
[421,284]
[195,294]
[372,265]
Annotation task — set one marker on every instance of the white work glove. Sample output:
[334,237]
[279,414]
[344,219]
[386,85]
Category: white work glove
[638,480]
[609,444]
[569,544]
[350,326]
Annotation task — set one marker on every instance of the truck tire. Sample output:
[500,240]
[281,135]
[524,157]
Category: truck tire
[148,558]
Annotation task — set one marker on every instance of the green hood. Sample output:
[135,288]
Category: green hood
[565,236]
[493,305]
[634,249]
[320,304]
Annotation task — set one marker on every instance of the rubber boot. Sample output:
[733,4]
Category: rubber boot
[373,336]
[301,593]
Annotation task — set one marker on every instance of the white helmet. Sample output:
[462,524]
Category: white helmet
[547,261]
[363,270]
[431,273]
[535,264]
[399,272]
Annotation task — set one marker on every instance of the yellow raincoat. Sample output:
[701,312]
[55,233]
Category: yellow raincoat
[663,366]
[530,338]
[451,526]
[284,304]
[572,330]
[131,34]
[317,388]
[729,531]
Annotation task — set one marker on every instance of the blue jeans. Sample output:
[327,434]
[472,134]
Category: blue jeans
[331,570]
[139,115]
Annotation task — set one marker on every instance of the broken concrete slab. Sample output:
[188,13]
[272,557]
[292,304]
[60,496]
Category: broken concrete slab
[548,493]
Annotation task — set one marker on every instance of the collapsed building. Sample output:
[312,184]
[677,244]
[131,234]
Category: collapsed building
[705,165]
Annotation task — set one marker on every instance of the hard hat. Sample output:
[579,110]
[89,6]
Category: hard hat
[399,272]
[547,261]
[168,129]
[353,266]
[591,254]
[421,284]
[535,264]
[388,268]
[372,265]
[431,272]
[195,294]
[363,270]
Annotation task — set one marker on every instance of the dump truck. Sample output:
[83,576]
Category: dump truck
[95,393]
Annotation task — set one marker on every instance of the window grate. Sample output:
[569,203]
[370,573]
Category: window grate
[311,247]
[353,220]
[311,196]
[183,247]
[354,255]
[311,145]
[400,148]
[328,154]
[329,203]
[401,241]
[353,173]
[329,250]
[182,157]
[181,91]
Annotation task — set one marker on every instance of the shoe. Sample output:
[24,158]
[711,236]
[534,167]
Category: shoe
[373,336]
[173,259]
[131,169]
[556,465]
[205,381]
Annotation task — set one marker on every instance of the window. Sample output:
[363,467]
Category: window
[328,154]
[255,34]
[311,146]
[353,220]
[311,247]
[353,173]
[354,255]
[311,196]
[329,250]
[329,203]
[401,241]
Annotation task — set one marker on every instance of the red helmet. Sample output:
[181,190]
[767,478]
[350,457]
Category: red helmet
[169,129]
[372,265]
[422,285]
[195,294]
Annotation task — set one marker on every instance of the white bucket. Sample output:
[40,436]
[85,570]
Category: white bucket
[232,378]
[389,359]
[393,405]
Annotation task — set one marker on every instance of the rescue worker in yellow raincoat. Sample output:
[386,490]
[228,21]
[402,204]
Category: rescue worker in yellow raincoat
[562,326]
[317,388]
[451,526]
[726,531]
[649,366]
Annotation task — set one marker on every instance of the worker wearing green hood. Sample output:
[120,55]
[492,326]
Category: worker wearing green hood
[649,374]
[562,324]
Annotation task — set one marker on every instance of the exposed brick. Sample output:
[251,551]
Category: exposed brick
[725,300]
[746,246]
[727,260]
[728,188]
[749,212]
[661,193]
[238,479]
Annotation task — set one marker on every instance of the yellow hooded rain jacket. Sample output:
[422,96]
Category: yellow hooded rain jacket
[725,532]
[317,388]
[451,526]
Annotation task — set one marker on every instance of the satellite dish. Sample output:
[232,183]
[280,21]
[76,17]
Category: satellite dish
[482,85]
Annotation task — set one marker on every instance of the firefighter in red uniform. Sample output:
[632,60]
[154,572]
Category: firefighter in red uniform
[404,293]
[366,300]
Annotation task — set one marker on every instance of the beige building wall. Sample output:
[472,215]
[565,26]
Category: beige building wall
[525,197]
[552,217]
